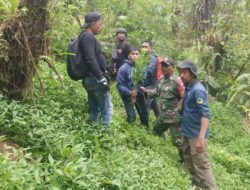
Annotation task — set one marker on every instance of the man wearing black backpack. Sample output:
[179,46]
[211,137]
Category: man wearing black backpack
[95,82]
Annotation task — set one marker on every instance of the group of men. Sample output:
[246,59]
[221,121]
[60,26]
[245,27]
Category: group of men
[182,105]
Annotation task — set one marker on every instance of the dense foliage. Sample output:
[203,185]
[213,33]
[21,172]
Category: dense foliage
[59,150]
[62,152]
[221,51]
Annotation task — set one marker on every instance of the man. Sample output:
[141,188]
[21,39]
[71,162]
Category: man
[120,53]
[96,83]
[194,128]
[149,81]
[126,86]
[170,91]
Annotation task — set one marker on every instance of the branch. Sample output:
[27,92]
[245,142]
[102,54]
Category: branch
[52,66]
[240,71]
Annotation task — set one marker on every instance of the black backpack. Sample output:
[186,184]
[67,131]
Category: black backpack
[75,65]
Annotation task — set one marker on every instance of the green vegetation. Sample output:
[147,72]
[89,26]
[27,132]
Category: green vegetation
[62,152]
[59,150]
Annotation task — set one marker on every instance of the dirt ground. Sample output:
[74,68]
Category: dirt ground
[9,148]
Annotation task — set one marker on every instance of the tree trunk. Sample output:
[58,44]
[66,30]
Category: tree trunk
[175,22]
[203,13]
[23,39]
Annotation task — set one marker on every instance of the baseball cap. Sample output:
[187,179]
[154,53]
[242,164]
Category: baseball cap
[168,62]
[90,18]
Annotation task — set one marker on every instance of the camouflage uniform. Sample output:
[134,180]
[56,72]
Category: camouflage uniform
[168,90]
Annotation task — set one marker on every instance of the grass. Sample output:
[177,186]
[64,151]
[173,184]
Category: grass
[61,151]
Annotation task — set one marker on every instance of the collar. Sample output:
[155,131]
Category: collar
[123,42]
[129,63]
[190,85]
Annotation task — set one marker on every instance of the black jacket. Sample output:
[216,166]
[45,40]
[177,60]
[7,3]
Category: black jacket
[92,55]
[121,53]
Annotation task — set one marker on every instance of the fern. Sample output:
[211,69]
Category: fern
[240,89]
[244,77]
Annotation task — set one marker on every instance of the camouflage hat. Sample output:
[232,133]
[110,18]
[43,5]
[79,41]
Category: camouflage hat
[122,30]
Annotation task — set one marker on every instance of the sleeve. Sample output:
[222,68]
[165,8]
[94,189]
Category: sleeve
[156,91]
[88,49]
[201,101]
[121,79]
[127,48]
[153,92]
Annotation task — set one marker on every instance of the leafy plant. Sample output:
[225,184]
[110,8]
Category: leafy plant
[7,8]
[240,90]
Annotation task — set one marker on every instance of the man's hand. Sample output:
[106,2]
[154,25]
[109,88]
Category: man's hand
[133,96]
[104,86]
[133,93]
[112,69]
[143,89]
[200,145]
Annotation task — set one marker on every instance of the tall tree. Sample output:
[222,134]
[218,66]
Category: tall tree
[175,21]
[203,13]
[23,39]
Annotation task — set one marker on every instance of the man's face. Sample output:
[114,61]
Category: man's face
[121,36]
[167,70]
[133,56]
[146,47]
[96,27]
[186,75]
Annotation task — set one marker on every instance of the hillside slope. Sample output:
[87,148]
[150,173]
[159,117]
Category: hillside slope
[60,151]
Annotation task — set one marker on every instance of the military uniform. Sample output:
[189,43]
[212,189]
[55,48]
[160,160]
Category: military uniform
[169,90]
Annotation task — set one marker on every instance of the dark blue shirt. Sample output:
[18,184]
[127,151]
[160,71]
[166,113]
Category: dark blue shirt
[149,75]
[124,79]
[195,107]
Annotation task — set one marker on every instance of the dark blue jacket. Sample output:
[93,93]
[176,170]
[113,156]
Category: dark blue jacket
[149,75]
[124,79]
[195,107]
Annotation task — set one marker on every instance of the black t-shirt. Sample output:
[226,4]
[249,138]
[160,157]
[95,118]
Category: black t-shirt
[92,55]
[121,52]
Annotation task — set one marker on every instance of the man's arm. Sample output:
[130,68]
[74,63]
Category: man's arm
[150,92]
[201,138]
[121,79]
[202,106]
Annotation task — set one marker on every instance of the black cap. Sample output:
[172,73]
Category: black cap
[168,62]
[90,18]
[188,64]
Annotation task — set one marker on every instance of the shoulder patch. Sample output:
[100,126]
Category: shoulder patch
[199,101]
